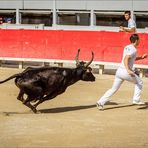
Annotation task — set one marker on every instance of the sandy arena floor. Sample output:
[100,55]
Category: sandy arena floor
[72,120]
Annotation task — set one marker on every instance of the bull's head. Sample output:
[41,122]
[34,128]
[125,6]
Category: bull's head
[83,69]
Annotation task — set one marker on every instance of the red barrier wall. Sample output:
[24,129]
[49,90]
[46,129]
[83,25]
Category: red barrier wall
[107,46]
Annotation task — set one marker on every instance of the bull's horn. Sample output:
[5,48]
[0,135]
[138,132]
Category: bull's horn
[77,57]
[92,58]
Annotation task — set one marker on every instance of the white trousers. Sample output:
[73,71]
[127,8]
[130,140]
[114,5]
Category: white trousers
[121,75]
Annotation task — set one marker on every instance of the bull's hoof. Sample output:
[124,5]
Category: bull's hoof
[34,110]
[38,112]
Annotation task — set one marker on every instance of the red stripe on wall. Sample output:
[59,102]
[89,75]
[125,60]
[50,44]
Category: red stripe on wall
[55,44]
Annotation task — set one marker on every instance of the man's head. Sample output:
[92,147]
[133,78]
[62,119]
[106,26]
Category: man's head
[127,15]
[134,38]
[1,20]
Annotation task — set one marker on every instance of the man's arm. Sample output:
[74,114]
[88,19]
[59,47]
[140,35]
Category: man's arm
[126,29]
[142,57]
[126,61]
[129,29]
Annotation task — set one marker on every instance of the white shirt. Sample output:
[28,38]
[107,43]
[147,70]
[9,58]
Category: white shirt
[132,51]
[131,23]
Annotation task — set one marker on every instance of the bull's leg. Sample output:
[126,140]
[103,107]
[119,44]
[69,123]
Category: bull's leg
[27,103]
[20,96]
[49,97]
[39,102]
[30,106]
[36,94]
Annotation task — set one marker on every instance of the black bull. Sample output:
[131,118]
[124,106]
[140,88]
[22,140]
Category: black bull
[45,83]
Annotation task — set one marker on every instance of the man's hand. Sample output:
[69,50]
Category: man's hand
[144,56]
[131,73]
[121,28]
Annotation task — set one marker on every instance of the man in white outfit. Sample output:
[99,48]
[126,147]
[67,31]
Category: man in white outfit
[131,23]
[126,72]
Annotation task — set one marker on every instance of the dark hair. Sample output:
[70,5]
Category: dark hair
[127,12]
[134,38]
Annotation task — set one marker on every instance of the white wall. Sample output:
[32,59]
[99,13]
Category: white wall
[136,5]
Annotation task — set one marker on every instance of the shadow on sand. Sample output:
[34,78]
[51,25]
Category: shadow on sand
[120,106]
[71,108]
[52,110]
[66,109]
[75,108]
[144,106]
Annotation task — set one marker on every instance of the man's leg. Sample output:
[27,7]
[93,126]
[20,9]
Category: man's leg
[138,88]
[116,85]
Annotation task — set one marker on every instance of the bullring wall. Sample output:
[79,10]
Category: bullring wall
[63,45]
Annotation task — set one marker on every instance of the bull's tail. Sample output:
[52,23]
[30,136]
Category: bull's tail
[11,77]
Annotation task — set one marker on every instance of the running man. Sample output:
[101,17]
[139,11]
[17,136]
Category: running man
[126,72]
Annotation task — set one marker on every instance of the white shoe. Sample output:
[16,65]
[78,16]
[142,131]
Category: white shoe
[138,103]
[99,106]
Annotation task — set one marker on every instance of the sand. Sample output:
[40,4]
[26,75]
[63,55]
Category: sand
[72,120]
